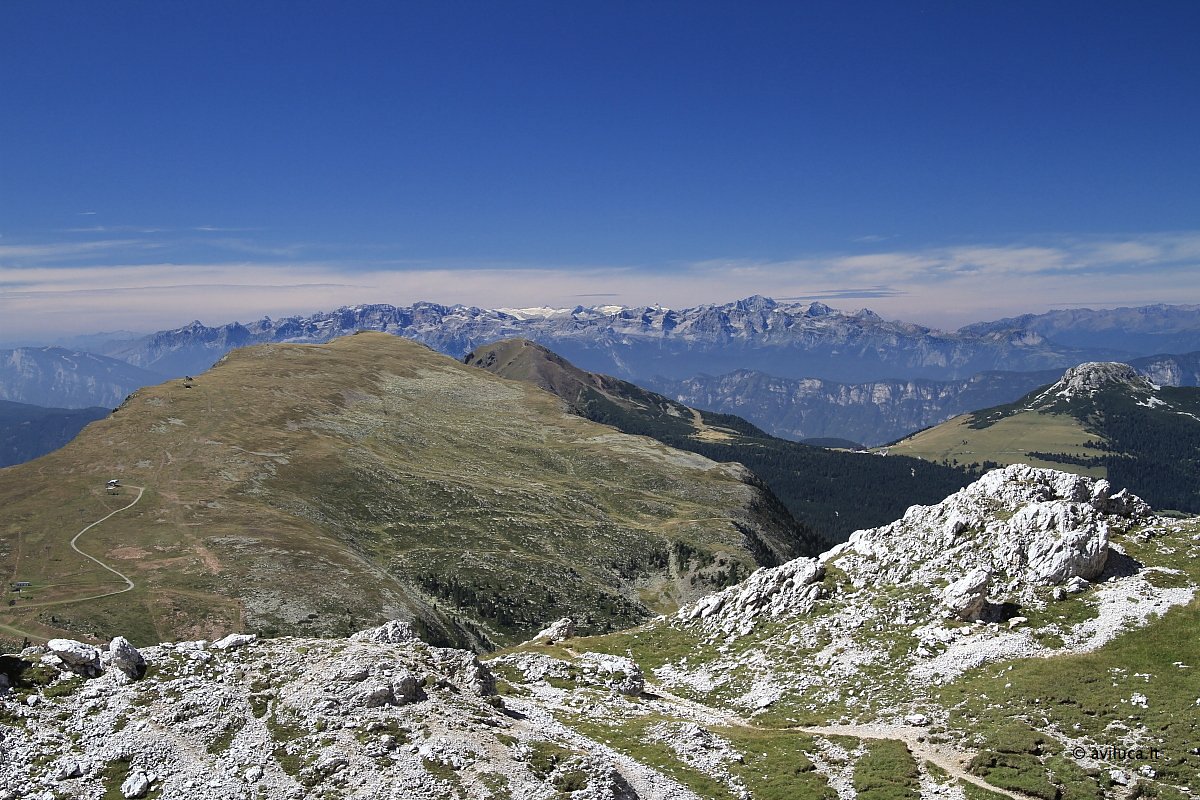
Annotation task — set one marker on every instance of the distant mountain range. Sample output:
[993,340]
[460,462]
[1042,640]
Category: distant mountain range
[1098,419]
[798,370]
[794,340]
[1139,330]
[876,412]
[56,377]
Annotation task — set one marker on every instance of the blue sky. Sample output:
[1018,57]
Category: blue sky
[938,161]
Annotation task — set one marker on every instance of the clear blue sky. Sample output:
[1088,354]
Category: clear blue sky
[647,137]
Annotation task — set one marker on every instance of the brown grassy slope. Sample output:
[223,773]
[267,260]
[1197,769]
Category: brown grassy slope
[1008,441]
[301,488]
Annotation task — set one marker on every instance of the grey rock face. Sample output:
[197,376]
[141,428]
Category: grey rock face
[53,376]
[1012,531]
[789,588]
[870,413]
[73,653]
[1086,379]
[966,598]
[563,629]
[234,640]
[125,657]
[391,632]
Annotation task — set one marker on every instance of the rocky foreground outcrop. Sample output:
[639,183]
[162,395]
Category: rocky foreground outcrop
[379,715]
[973,579]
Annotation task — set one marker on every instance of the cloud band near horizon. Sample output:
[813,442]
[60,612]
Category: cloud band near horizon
[50,290]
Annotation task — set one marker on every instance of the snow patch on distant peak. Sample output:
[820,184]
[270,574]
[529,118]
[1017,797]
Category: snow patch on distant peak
[536,312]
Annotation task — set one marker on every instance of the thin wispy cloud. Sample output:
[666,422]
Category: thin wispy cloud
[115,229]
[867,293]
[38,254]
[42,289]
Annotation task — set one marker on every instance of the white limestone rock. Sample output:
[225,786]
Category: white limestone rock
[125,657]
[235,640]
[137,784]
[465,671]
[618,672]
[563,629]
[966,598]
[793,588]
[74,654]
[1061,541]
[391,632]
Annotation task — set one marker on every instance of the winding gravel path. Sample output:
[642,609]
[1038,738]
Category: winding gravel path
[953,761]
[128,583]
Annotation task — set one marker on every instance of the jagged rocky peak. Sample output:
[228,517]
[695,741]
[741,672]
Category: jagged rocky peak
[755,302]
[1014,531]
[816,309]
[1087,379]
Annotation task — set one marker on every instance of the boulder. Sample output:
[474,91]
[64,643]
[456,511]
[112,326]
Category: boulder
[125,657]
[465,670]
[966,598]
[137,784]
[405,689]
[73,653]
[374,694]
[235,640]
[394,631]
[617,672]
[563,629]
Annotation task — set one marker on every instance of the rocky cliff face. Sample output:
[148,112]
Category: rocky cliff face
[1084,380]
[1022,528]
[871,413]
[876,412]
[1170,370]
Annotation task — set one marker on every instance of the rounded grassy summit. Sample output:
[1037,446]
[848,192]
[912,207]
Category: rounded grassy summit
[322,488]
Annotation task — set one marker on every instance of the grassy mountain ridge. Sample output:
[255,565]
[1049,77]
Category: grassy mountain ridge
[833,493]
[315,488]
